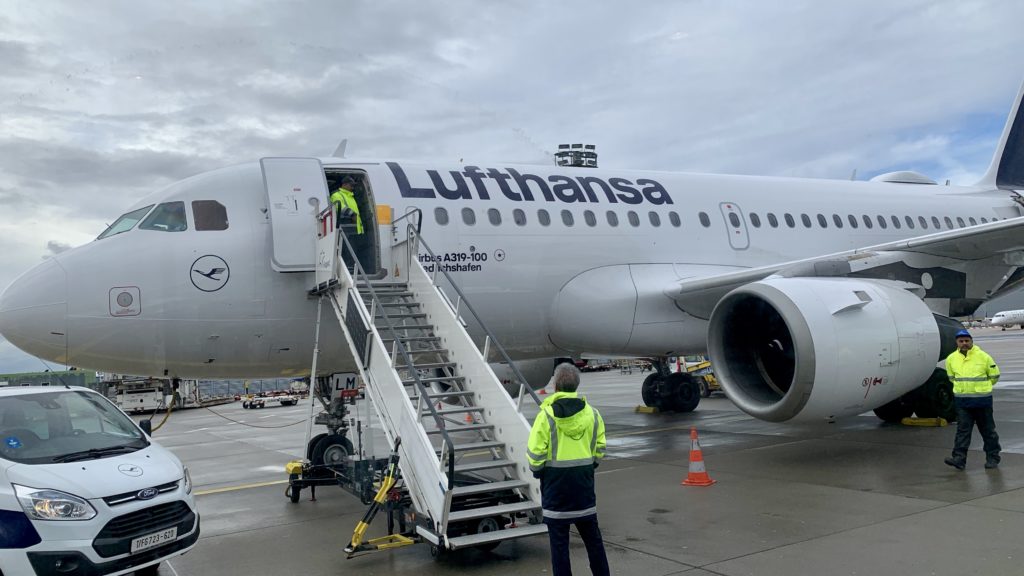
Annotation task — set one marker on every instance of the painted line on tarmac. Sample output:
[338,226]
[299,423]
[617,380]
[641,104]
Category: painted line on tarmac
[648,431]
[239,487]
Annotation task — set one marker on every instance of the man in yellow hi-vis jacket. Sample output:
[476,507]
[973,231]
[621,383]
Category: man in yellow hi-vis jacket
[566,444]
[973,373]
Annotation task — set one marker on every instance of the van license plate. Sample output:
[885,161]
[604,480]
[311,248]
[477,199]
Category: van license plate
[152,540]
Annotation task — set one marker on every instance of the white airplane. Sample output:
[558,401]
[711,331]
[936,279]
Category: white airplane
[816,299]
[1008,318]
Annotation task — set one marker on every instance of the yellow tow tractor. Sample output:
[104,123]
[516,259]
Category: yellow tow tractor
[700,368]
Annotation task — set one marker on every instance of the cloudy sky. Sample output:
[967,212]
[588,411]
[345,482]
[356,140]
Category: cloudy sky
[102,102]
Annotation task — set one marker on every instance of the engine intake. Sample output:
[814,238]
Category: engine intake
[822,348]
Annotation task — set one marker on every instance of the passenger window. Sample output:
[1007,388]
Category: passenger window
[543,217]
[494,216]
[125,223]
[704,220]
[949,223]
[822,222]
[590,218]
[972,221]
[674,219]
[167,217]
[519,217]
[209,215]
[655,218]
[734,220]
[837,220]
[935,223]
[755,219]
[896,221]
[613,218]
[441,216]
[634,220]
[881,221]
[567,218]
[909,221]
[772,220]
[923,222]
[806,220]
[468,216]
[790,221]
[960,222]
[867,221]
[852,219]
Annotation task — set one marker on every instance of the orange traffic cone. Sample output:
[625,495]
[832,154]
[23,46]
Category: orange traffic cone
[469,418]
[698,475]
[542,391]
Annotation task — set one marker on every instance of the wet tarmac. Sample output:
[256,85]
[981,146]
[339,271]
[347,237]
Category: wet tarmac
[854,497]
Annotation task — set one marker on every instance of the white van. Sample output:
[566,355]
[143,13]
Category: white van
[83,490]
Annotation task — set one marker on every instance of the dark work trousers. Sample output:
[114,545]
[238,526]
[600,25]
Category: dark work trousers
[966,418]
[558,533]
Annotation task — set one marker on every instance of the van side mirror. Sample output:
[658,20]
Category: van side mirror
[147,427]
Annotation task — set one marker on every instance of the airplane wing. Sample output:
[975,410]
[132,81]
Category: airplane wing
[965,266]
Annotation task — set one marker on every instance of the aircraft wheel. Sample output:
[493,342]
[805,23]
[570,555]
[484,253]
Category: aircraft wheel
[684,392]
[333,450]
[650,393]
[935,397]
[895,411]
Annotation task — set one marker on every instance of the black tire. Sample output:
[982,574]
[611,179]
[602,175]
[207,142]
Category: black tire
[649,392]
[705,390]
[935,398]
[151,570]
[312,444]
[293,494]
[685,392]
[333,450]
[486,525]
[895,411]
[245,405]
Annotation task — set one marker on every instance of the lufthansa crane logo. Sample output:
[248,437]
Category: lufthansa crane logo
[210,273]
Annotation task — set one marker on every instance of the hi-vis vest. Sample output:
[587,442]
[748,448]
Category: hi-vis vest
[973,374]
[343,196]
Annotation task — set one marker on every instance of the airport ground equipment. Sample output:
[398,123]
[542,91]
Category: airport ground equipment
[463,437]
[261,401]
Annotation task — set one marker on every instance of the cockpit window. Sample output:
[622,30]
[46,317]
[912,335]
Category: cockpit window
[209,215]
[168,217]
[125,222]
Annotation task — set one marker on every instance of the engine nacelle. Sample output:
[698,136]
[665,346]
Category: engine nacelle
[536,371]
[821,348]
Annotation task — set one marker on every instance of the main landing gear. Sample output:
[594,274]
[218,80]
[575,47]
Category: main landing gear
[667,390]
[932,399]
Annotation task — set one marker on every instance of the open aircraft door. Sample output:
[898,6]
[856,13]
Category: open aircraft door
[736,225]
[296,192]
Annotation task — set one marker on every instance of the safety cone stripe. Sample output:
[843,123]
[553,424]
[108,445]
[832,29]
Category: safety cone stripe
[698,467]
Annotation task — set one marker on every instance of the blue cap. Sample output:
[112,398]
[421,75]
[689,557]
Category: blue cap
[964,334]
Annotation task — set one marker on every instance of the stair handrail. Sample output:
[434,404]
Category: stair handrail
[360,274]
[416,242]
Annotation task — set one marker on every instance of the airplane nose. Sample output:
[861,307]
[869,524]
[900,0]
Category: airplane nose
[33,312]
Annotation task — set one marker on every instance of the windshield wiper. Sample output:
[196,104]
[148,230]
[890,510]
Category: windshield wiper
[94,453]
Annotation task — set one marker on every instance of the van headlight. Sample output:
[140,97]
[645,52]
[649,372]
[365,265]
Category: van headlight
[188,481]
[53,504]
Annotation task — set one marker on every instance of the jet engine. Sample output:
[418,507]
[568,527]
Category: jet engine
[536,371]
[821,348]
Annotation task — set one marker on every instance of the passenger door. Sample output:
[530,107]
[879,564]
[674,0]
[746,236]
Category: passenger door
[296,193]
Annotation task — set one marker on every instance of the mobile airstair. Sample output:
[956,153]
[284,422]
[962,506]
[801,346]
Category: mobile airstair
[462,448]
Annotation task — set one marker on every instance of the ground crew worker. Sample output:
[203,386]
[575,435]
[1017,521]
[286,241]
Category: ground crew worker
[973,373]
[566,444]
[345,204]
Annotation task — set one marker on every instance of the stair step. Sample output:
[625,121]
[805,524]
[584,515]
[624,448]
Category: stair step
[478,445]
[394,315]
[497,536]
[485,465]
[433,379]
[443,395]
[457,410]
[489,487]
[389,294]
[362,284]
[492,511]
[410,327]
[415,339]
[399,304]
[465,428]
[433,365]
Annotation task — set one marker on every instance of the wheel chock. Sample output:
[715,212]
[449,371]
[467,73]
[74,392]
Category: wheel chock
[933,422]
[646,410]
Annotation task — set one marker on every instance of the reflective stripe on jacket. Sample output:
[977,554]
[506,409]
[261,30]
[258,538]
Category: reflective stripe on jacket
[973,374]
[566,440]
[344,197]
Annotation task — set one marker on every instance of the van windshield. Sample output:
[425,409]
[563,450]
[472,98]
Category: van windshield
[125,223]
[64,426]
